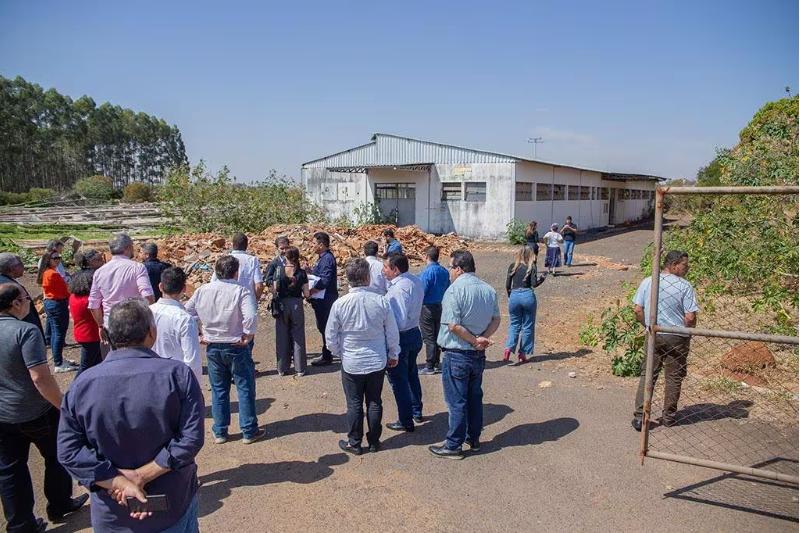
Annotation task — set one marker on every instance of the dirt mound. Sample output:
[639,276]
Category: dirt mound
[744,362]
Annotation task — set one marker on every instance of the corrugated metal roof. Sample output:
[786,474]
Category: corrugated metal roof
[387,150]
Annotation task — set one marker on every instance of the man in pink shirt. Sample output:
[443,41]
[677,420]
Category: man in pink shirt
[116,281]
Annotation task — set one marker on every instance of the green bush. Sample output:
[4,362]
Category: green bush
[136,193]
[367,213]
[619,334]
[35,195]
[95,187]
[515,231]
[200,201]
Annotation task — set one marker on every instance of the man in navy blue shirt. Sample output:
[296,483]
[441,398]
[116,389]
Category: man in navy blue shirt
[154,266]
[325,270]
[436,279]
[390,244]
[132,426]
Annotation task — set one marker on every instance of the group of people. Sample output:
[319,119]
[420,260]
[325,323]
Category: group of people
[145,353]
[553,240]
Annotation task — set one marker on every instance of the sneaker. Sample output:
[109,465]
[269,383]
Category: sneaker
[419,419]
[221,440]
[70,362]
[300,374]
[446,453]
[64,368]
[260,434]
[427,371]
[347,447]
[474,445]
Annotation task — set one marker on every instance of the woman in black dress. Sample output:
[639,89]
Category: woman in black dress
[290,287]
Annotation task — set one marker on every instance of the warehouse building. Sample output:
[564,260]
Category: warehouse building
[475,193]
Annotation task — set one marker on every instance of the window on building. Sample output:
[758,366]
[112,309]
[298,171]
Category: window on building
[626,194]
[573,192]
[604,193]
[559,192]
[523,191]
[393,191]
[594,193]
[605,208]
[544,191]
[451,191]
[586,192]
[475,191]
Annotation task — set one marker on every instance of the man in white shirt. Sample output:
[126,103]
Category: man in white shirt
[405,293]
[228,313]
[377,282]
[249,275]
[677,306]
[361,329]
[177,331]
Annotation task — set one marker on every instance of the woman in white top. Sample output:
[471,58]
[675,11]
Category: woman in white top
[553,239]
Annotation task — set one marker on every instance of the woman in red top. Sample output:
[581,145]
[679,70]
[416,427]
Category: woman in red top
[56,295]
[84,327]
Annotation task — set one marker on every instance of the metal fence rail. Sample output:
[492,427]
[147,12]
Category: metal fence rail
[735,390]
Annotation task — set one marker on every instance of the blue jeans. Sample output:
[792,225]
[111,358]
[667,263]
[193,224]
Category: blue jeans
[521,328]
[569,247]
[404,378]
[462,377]
[188,522]
[58,318]
[226,361]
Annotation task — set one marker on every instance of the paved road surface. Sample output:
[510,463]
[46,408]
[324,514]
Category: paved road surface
[561,458]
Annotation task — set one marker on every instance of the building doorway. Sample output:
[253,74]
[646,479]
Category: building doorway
[397,202]
[612,204]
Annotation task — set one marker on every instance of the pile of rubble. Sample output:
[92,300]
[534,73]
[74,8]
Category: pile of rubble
[198,252]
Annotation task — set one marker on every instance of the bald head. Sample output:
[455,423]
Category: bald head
[11,265]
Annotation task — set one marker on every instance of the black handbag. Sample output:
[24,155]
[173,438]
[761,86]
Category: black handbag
[275,305]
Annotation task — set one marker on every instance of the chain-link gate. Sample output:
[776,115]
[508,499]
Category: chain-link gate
[722,394]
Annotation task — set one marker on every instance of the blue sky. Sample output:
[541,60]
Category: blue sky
[627,86]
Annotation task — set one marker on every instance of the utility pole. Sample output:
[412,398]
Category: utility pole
[534,141]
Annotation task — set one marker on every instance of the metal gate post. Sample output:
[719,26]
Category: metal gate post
[652,320]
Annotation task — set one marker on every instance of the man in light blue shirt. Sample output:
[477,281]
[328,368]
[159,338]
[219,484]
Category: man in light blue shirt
[392,245]
[405,293]
[470,316]
[362,331]
[677,306]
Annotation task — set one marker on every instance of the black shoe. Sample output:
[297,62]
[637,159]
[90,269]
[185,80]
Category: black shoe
[397,426]
[427,371]
[74,505]
[474,445]
[320,361]
[41,526]
[442,451]
[637,424]
[668,422]
[419,419]
[375,448]
[346,447]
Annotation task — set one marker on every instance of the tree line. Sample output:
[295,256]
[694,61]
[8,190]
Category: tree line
[50,140]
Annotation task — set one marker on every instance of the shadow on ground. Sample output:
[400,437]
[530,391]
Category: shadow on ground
[532,434]
[702,412]
[747,494]
[217,486]
[434,429]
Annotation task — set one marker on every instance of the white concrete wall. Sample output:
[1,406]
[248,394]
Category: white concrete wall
[336,192]
[585,213]
[475,220]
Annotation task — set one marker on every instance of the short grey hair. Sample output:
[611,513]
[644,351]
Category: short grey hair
[7,262]
[358,272]
[151,249]
[120,243]
[129,323]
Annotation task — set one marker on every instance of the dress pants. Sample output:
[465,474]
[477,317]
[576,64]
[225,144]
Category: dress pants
[429,322]
[16,488]
[360,388]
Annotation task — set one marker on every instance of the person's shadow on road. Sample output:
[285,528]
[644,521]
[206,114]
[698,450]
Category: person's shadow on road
[217,486]
[434,429]
[531,434]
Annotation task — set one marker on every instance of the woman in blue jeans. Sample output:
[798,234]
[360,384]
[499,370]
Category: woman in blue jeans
[520,281]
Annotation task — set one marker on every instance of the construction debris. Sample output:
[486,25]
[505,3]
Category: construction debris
[197,253]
